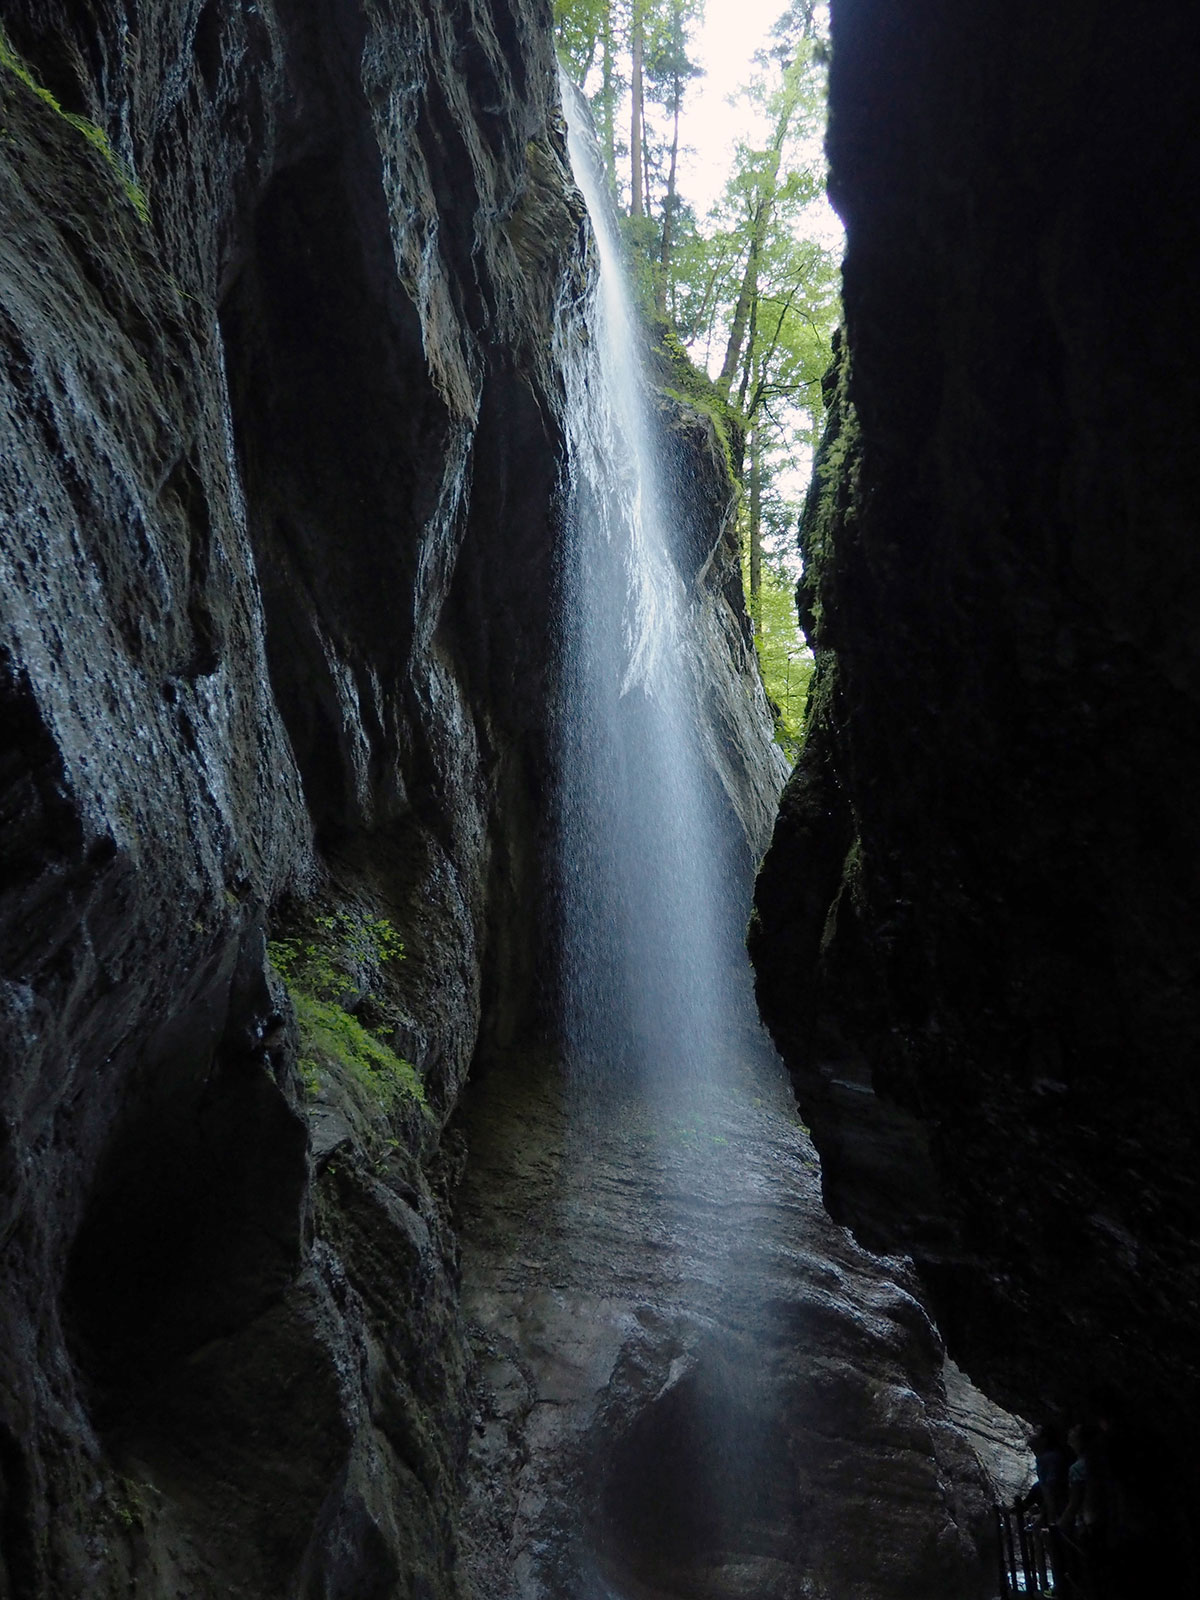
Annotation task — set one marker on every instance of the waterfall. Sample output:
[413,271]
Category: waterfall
[655,993]
[629,1215]
[692,1384]
[651,946]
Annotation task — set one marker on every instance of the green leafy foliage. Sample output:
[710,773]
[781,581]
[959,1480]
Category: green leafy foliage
[631,60]
[331,1036]
[784,660]
[91,131]
[338,946]
[745,287]
[749,292]
[329,972]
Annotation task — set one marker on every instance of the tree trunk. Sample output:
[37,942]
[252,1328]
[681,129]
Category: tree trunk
[747,295]
[669,203]
[751,360]
[636,206]
[608,108]
[768,189]
[755,531]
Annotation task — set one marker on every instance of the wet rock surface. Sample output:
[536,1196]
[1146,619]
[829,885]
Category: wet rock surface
[275,336]
[689,1381]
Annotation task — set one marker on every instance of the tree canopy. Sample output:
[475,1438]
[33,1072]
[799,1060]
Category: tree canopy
[747,289]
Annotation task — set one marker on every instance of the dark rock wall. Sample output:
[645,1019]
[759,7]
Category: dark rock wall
[277,462]
[975,927]
[279,471]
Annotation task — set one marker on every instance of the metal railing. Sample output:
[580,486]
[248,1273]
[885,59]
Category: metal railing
[1036,1560]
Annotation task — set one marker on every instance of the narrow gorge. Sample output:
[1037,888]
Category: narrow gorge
[400,1197]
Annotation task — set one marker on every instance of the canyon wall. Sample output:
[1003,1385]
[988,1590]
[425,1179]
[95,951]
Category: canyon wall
[975,927]
[281,287]
[280,452]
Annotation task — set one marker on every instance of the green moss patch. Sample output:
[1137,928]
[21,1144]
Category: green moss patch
[683,381]
[332,1038]
[332,966]
[91,131]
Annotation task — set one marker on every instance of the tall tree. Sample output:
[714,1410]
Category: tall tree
[631,59]
[759,183]
[591,45]
[748,292]
[637,106]
[579,29]
[669,70]
[773,291]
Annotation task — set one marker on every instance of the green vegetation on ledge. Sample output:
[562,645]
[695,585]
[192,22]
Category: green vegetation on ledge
[328,972]
[91,131]
[679,377]
[784,660]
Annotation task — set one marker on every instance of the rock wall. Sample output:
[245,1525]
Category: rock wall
[279,452]
[974,927]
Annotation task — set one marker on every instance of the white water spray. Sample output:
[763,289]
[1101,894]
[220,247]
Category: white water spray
[650,944]
[667,1076]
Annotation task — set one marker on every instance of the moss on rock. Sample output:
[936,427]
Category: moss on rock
[329,969]
[91,131]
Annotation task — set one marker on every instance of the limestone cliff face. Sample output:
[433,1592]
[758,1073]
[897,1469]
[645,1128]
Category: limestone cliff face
[279,451]
[974,930]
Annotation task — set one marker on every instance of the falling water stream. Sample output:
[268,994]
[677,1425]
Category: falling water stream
[652,945]
[655,994]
